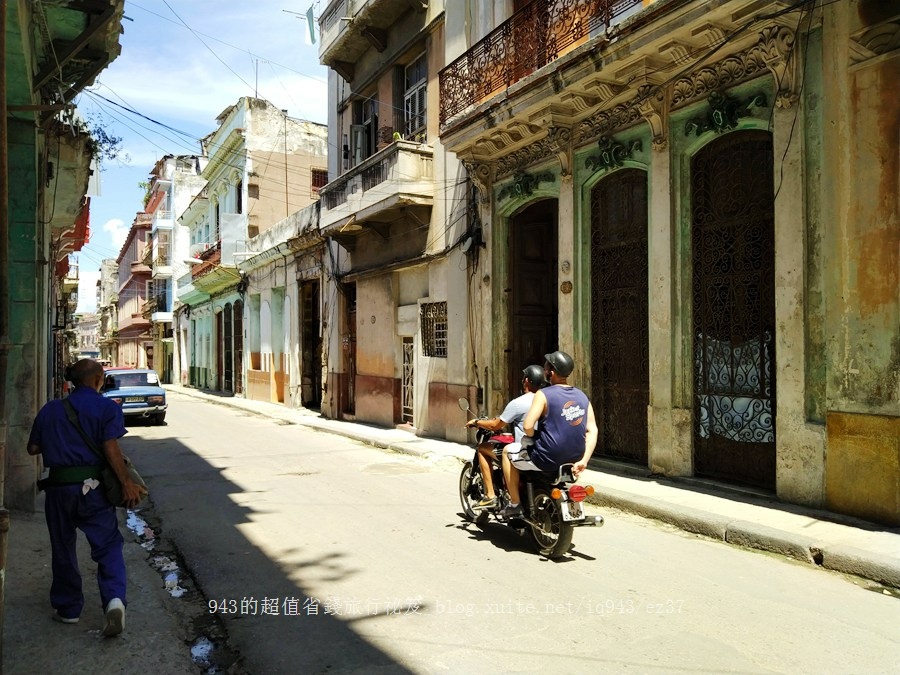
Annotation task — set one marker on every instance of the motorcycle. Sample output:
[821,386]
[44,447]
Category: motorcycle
[552,504]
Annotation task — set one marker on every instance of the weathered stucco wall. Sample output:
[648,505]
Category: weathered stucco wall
[862,178]
[27,353]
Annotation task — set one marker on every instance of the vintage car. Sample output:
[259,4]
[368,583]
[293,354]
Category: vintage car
[138,391]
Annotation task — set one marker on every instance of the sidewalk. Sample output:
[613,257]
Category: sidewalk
[742,518]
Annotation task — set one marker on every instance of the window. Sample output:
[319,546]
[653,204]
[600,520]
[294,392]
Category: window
[414,87]
[319,180]
[434,329]
[363,131]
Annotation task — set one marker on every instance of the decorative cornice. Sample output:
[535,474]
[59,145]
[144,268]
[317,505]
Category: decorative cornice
[482,175]
[535,152]
[721,75]
[777,45]
[605,122]
[561,143]
[654,104]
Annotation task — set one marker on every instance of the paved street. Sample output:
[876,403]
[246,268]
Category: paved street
[269,516]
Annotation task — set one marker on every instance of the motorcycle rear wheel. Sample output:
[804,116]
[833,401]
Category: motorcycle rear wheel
[554,537]
[471,491]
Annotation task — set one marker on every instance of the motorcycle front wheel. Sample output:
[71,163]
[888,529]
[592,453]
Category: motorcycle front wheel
[551,534]
[471,491]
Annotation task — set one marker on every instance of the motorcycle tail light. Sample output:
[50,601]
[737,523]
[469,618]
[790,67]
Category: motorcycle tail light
[555,493]
[577,493]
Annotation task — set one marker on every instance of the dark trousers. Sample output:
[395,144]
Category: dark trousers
[66,509]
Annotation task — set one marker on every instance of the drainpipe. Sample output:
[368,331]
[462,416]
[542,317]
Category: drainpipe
[4,308]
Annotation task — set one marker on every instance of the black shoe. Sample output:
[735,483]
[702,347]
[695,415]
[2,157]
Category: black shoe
[512,511]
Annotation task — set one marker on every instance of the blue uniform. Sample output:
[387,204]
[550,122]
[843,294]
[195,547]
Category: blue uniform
[561,435]
[66,506]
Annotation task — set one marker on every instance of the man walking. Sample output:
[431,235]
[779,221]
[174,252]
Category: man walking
[73,499]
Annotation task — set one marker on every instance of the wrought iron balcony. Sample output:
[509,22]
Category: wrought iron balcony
[398,176]
[536,35]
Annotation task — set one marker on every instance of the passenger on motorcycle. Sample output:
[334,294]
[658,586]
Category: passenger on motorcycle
[567,433]
[514,414]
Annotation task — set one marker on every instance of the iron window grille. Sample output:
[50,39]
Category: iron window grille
[434,329]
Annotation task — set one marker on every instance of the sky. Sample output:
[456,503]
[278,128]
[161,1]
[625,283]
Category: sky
[182,63]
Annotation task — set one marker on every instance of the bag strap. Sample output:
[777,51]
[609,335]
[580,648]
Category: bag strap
[72,414]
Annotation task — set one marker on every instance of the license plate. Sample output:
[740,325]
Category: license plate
[572,511]
[134,399]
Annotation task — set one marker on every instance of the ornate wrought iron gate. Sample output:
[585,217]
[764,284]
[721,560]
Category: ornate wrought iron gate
[619,314]
[238,328]
[732,239]
[406,388]
[228,354]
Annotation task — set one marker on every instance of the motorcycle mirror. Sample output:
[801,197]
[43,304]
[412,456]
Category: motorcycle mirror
[463,404]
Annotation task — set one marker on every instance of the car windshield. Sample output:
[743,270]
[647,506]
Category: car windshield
[124,380]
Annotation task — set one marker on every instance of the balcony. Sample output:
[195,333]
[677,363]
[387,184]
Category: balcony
[536,35]
[163,219]
[350,27]
[162,266]
[148,308]
[379,189]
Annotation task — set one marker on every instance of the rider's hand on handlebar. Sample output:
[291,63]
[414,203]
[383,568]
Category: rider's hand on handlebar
[471,423]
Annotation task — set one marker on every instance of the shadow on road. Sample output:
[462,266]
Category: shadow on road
[276,624]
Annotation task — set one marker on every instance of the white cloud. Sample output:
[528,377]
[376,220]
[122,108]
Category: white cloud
[117,230]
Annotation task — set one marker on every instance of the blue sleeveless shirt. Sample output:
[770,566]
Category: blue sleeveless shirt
[559,438]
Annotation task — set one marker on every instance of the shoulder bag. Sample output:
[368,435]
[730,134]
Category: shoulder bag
[111,485]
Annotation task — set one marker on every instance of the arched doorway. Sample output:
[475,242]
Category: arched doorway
[533,306]
[733,265]
[619,314]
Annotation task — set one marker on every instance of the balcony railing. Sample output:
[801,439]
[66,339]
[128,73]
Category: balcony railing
[403,169]
[536,35]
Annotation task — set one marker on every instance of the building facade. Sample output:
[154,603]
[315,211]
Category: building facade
[108,311]
[399,207]
[174,182]
[134,340]
[688,197]
[283,269]
[263,166]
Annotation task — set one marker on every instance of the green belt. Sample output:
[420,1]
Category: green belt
[73,474]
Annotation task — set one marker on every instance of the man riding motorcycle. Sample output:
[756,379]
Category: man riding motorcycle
[514,414]
[567,432]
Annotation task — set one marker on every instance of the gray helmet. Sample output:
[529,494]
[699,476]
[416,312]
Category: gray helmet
[562,363]
[535,376]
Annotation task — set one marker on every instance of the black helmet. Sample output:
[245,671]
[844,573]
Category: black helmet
[562,363]
[535,376]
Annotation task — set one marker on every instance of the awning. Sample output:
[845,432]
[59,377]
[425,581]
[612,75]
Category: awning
[82,234]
